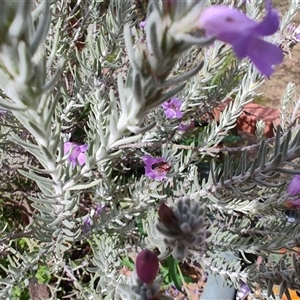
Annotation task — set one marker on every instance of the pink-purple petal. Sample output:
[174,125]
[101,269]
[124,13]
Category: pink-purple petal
[226,23]
[159,175]
[270,24]
[264,55]
[76,151]
[241,46]
[77,155]
[149,160]
[81,158]
[154,173]
[84,147]
[172,108]
[67,147]
[294,186]
[245,35]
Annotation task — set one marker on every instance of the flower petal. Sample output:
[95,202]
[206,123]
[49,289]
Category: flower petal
[166,105]
[226,23]
[270,24]
[149,172]
[294,186]
[84,147]
[81,158]
[74,154]
[150,160]
[176,102]
[158,175]
[264,55]
[67,147]
[241,46]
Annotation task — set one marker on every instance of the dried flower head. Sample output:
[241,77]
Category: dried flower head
[245,35]
[183,226]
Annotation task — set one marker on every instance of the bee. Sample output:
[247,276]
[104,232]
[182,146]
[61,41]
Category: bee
[162,166]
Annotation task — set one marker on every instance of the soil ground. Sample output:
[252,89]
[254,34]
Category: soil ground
[288,71]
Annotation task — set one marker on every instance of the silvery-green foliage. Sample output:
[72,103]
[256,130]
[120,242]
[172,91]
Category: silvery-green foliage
[286,275]
[107,263]
[110,92]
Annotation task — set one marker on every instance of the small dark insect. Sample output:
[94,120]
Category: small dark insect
[162,166]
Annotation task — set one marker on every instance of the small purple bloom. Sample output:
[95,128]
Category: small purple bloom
[294,187]
[99,209]
[184,127]
[156,167]
[172,108]
[146,266]
[143,24]
[87,225]
[77,156]
[243,292]
[245,35]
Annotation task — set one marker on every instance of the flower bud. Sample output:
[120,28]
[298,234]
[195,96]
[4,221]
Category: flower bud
[167,217]
[146,266]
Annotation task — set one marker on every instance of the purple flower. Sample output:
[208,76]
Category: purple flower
[99,209]
[156,168]
[245,35]
[142,25]
[243,292]
[87,225]
[146,266]
[184,127]
[294,187]
[77,154]
[172,108]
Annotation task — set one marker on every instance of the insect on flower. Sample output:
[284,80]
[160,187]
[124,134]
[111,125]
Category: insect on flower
[156,167]
[162,166]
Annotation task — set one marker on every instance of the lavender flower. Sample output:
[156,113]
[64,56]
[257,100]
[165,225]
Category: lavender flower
[156,167]
[245,35]
[87,225]
[99,209]
[293,189]
[243,292]
[146,266]
[172,108]
[184,127]
[142,25]
[77,155]
[294,186]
